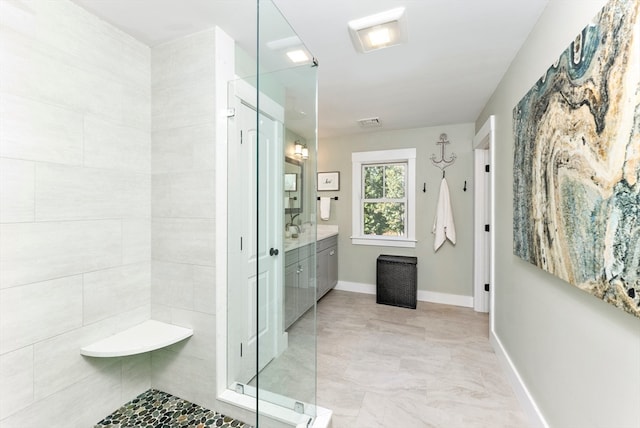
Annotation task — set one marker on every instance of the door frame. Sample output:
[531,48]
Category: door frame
[483,203]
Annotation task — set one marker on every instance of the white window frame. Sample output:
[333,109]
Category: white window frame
[358,159]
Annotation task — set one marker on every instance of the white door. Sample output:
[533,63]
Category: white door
[255,228]
[483,144]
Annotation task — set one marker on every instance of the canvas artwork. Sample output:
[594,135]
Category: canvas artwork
[577,162]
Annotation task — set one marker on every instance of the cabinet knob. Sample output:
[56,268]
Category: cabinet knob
[332,252]
[273,252]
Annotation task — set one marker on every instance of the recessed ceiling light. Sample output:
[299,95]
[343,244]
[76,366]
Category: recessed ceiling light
[298,56]
[379,37]
[379,31]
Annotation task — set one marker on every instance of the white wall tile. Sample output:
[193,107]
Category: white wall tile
[187,59]
[112,291]
[184,194]
[135,194]
[71,193]
[185,105]
[191,148]
[58,363]
[203,342]
[136,240]
[136,107]
[172,284]
[94,43]
[17,189]
[24,63]
[16,381]
[111,146]
[18,16]
[187,377]
[32,252]
[82,405]
[37,131]
[76,193]
[160,312]
[204,289]
[183,241]
[136,375]
[34,312]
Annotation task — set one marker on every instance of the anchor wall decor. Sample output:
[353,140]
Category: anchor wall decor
[443,162]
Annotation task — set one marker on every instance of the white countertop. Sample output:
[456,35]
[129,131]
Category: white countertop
[323,231]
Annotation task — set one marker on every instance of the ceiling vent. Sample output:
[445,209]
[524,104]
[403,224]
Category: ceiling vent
[371,122]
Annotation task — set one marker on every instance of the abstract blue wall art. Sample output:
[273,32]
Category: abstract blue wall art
[576,189]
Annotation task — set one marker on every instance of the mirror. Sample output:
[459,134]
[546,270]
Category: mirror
[293,177]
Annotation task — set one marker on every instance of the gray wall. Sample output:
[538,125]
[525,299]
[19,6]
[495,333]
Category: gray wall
[74,212]
[446,271]
[578,356]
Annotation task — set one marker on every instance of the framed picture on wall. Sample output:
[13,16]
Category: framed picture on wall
[328,181]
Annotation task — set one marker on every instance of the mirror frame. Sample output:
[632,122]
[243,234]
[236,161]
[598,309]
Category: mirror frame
[299,163]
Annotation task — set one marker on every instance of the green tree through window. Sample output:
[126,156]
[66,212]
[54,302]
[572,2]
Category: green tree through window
[384,199]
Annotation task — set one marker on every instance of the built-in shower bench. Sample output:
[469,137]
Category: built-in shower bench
[147,336]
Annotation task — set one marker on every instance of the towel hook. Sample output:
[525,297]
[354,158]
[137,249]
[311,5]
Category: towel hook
[443,162]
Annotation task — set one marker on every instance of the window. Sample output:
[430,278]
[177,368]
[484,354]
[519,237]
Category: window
[384,198]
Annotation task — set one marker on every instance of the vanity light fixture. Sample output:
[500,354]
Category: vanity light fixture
[379,31]
[305,152]
[297,148]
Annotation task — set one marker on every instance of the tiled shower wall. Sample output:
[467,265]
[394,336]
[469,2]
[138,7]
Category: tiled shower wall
[75,198]
[183,208]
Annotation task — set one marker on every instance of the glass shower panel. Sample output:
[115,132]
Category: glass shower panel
[286,298]
[271,291]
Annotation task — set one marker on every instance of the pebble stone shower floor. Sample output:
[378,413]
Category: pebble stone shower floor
[157,409]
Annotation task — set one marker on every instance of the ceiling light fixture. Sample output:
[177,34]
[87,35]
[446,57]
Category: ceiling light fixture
[298,56]
[379,31]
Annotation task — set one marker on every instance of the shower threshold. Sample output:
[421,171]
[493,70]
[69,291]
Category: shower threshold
[278,407]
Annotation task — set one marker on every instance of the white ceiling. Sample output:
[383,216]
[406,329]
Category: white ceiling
[457,51]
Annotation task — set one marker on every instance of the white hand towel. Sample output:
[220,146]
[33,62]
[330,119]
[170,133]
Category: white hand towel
[443,226]
[286,202]
[325,208]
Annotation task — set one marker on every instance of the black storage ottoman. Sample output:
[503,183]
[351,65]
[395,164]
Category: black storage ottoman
[397,281]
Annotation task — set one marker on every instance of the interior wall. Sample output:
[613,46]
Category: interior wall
[447,271]
[183,212]
[74,212]
[578,356]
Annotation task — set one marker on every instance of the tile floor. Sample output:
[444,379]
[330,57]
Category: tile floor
[158,409]
[383,366]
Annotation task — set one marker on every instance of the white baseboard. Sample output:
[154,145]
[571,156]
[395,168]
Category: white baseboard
[529,406]
[423,296]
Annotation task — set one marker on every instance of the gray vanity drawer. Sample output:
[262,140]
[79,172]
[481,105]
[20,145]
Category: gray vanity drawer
[326,243]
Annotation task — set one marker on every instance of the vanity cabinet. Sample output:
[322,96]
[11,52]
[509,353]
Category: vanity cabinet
[299,283]
[327,265]
[302,287]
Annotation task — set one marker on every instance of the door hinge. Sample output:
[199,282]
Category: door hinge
[240,137]
[486,168]
[240,349]
[486,287]
[241,243]
[231,112]
[486,227]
